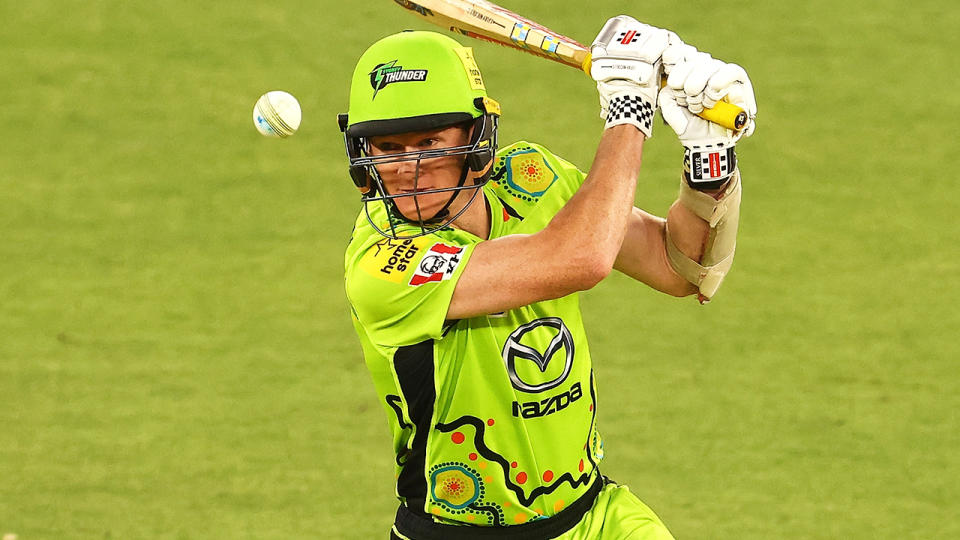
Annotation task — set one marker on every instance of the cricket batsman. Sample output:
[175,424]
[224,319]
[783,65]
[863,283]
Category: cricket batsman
[465,264]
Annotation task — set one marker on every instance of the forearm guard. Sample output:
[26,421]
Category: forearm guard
[723,215]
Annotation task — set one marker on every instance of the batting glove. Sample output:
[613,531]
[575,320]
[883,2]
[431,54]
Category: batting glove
[696,82]
[675,53]
[626,65]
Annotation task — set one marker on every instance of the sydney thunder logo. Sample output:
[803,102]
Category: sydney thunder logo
[390,73]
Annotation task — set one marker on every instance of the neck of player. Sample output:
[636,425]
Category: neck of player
[476,219]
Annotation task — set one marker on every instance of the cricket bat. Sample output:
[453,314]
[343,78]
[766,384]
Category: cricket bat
[487,21]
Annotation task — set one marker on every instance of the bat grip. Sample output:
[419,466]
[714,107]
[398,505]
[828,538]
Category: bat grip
[726,114]
[723,113]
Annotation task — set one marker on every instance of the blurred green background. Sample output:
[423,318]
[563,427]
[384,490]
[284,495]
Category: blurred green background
[176,356]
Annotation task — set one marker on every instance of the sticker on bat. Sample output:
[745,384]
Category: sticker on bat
[414,7]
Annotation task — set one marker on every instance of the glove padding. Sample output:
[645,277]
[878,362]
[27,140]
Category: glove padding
[626,65]
[675,53]
[698,81]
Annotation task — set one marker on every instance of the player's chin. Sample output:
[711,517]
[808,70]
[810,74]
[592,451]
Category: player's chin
[423,208]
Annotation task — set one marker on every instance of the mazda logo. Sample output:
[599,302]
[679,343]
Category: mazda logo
[515,349]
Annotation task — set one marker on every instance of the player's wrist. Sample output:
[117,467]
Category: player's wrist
[709,166]
[716,193]
[629,106]
[626,134]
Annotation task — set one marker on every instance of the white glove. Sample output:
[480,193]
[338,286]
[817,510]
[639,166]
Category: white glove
[676,52]
[698,81]
[626,65]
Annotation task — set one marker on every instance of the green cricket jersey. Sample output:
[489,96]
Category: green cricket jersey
[492,417]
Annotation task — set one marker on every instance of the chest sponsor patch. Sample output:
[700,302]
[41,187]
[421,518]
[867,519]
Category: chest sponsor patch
[437,264]
[392,260]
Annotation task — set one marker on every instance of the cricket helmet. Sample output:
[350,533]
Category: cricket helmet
[418,81]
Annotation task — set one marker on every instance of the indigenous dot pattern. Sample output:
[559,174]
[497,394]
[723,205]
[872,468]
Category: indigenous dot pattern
[524,174]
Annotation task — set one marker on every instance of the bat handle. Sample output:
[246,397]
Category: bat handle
[726,114]
[723,113]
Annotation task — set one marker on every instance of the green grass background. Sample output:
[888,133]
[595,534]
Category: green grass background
[176,358]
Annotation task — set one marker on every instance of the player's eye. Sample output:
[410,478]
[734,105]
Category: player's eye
[389,147]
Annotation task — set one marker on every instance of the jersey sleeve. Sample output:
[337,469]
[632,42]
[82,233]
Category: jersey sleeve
[534,182]
[400,290]
[571,175]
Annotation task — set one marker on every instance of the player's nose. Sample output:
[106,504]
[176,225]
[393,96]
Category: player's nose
[407,169]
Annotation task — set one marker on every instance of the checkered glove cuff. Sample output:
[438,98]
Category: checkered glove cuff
[708,166]
[631,109]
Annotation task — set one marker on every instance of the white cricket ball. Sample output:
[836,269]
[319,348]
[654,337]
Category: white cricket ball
[277,114]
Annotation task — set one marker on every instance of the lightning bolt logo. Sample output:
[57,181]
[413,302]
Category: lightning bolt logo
[378,77]
[390,72]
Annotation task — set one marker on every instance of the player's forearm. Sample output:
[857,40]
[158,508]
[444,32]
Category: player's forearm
[643,255]
[701,234]
[588,232]
[690,233]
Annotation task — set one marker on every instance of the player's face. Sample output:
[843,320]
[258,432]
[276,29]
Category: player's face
[403,178]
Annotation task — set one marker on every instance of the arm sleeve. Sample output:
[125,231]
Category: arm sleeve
[400,290]
[536,182]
